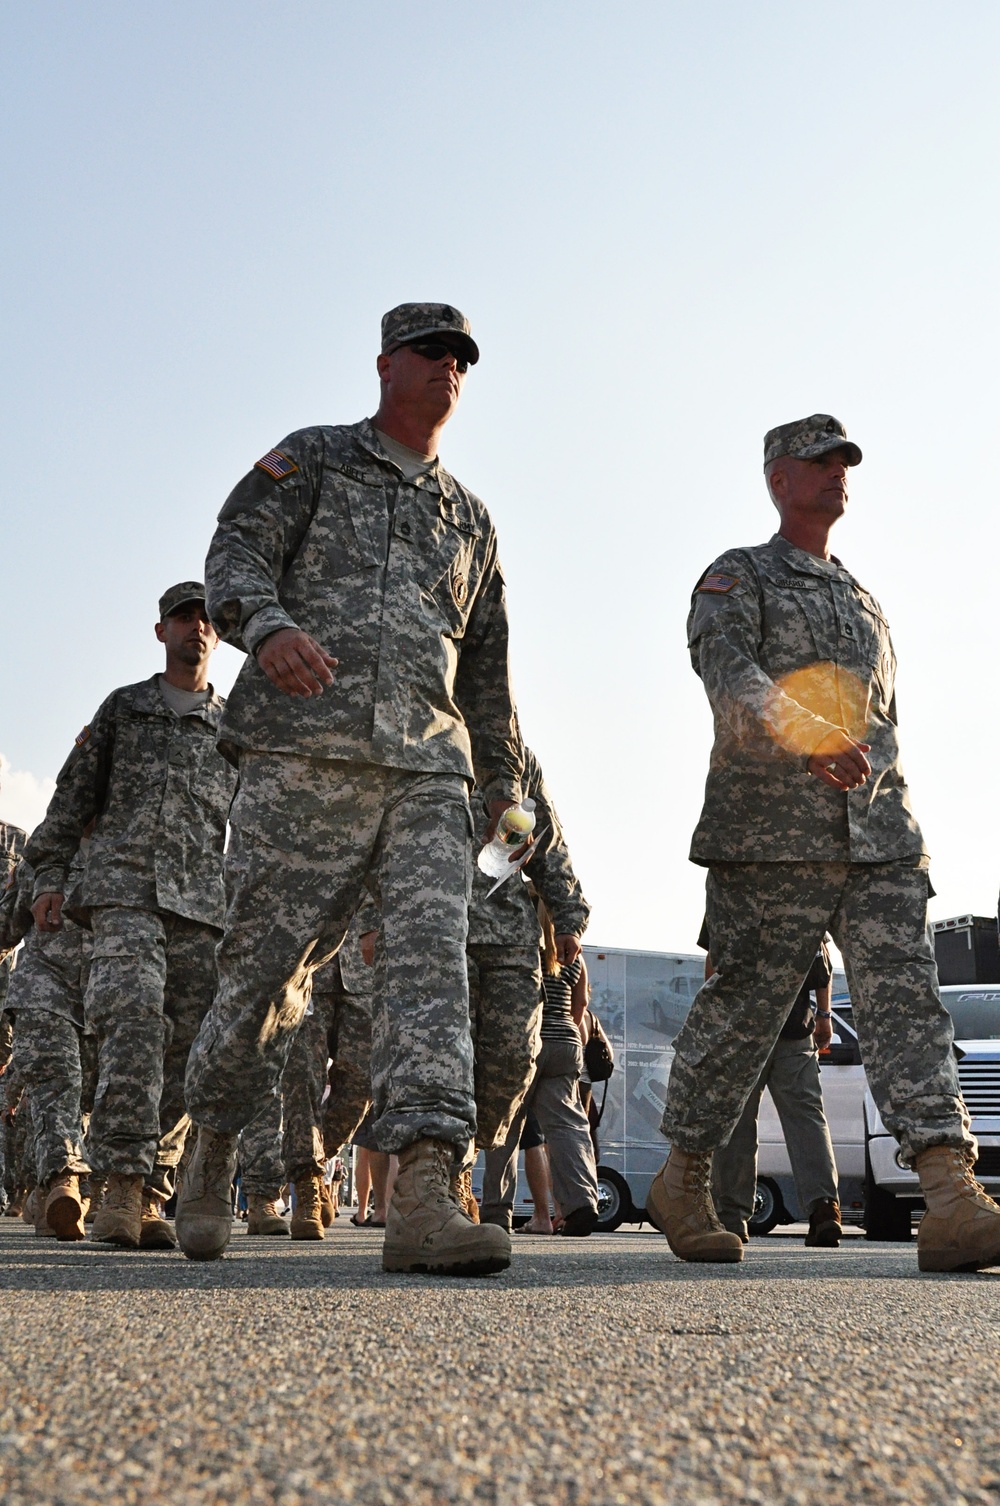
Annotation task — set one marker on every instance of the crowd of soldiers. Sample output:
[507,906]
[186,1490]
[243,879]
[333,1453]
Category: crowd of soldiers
[249,925]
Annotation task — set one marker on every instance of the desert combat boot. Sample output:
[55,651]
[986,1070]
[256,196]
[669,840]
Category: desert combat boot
[307,1215]
[204,1218]
[263,1216]
[679,1204]
[426,1231]
[119,1218]
[961,1229]
[65,1208]
[154,1231]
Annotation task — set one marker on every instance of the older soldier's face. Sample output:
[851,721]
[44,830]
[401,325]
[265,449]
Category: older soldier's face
[429,387]
[817,487]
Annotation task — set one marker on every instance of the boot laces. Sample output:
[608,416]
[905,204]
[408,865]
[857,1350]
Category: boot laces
[118,1194]
[216,1160]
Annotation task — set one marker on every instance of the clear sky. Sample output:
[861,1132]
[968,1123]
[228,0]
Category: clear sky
[672,226]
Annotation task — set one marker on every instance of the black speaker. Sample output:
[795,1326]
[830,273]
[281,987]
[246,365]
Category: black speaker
[967,950]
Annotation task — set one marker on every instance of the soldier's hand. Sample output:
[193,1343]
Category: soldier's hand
[497,808]
[47,911]
[568,948]
[840,762]
[296,663]
[368,947]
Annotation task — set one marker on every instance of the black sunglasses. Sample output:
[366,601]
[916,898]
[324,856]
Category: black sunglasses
[436,350]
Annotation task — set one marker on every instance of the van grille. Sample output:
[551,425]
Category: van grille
[981,1087]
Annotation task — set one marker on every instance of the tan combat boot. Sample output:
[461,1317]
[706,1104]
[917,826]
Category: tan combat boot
[463,1195]
[425,1230]
[204,1219]
[43,1229]
[155,1232]
[307,1215]
[64,1207]
[119,1221]
[961,1229]
[679,1204]
[328,1208]
[28,1215]
[95,1193]
[263,1216]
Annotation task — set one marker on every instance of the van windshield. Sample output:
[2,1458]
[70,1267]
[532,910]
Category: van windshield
[976,1015]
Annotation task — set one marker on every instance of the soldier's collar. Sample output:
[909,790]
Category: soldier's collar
[147,697]
[437,479]
[802,560]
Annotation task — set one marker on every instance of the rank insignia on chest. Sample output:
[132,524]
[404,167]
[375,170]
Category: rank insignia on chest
[277,465]
[82,737]
[718,585]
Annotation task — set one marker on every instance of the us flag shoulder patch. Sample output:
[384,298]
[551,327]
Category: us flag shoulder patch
[719,584]
[82,737]
[277,465]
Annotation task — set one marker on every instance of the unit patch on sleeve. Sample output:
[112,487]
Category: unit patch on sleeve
[82,737]
[718,584]
[277,465]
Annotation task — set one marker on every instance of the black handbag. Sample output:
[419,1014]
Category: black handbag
[598,1053]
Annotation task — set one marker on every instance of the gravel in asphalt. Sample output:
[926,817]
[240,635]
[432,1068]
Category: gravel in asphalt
[599,1372]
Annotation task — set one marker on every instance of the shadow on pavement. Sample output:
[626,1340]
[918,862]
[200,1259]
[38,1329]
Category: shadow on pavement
[346,1263]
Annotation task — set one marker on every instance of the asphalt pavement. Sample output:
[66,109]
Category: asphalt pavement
[601,1372]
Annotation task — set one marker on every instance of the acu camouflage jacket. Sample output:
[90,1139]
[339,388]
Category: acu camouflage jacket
[398,580]
[161,794]
[788,647]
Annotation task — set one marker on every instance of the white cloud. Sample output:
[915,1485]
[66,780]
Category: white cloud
[23,796]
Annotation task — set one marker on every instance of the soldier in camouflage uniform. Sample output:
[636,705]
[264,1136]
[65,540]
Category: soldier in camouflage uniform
[505,977]
[354,541]
[807,827]
[148,770]
[46,999]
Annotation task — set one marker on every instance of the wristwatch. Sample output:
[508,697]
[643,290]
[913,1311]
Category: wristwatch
[824,1014]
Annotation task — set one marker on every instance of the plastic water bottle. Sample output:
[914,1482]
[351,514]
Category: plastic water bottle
[513,830]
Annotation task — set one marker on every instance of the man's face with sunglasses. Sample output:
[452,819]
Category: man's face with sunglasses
[426,374]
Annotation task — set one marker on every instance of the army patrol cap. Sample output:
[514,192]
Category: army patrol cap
[180,595]
[808,437]
[419,321]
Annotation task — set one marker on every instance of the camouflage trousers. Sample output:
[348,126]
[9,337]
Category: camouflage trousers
[333,1046]
[151,982]
[307,836]
[259,1151]
[59,1064]
[766,921]
[505,992]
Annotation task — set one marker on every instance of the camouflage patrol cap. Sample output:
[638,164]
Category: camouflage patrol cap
[417,321]
[808,437]
[180,595]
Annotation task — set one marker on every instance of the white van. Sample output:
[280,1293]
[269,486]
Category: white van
[643,999]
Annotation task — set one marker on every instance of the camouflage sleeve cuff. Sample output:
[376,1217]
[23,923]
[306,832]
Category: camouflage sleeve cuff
[500,788]
[262,624]
[49,881]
